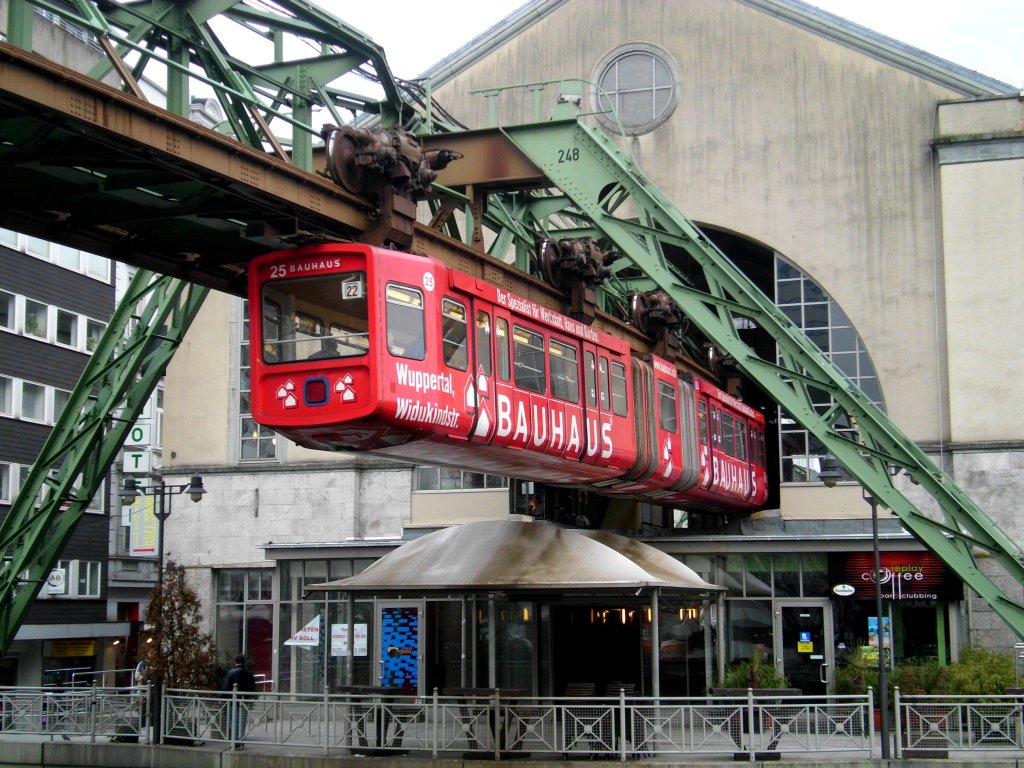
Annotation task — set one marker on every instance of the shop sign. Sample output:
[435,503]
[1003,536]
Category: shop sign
[843,590]
[64,649]
[904,576]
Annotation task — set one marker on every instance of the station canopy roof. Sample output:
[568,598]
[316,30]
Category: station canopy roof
[521,556]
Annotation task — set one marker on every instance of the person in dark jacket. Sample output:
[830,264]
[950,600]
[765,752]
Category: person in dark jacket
[239,678]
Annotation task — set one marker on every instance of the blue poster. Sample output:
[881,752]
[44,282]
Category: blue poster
[399,647]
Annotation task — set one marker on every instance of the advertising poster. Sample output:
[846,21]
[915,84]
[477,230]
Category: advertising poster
[399,647]
[871,651]
[339,640]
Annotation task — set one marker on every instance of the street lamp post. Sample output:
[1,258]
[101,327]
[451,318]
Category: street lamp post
[162,493]
[830,474]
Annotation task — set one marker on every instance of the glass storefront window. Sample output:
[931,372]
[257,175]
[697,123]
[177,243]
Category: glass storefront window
[786,575]
[244,615]
[759,575]
[748,629]
[815,573]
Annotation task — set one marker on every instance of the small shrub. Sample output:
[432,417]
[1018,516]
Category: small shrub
[755,672]
[917,678]
[979,671]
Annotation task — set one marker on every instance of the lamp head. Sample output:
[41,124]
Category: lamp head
[130,491]
[195,488]
[830,474]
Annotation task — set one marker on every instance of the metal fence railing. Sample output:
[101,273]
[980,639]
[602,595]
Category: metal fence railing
[959,723]
[115,713]
[497,725]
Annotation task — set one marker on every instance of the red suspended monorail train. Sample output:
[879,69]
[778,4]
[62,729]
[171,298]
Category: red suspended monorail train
[358,348]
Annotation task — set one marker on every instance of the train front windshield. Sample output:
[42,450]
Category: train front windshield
[315,318]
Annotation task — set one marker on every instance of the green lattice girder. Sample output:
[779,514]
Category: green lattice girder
[172,42]
[128,361]
[600,180]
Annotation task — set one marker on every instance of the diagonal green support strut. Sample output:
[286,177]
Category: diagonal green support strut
[854,430]
[144,332]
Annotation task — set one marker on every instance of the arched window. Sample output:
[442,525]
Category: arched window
[819,316]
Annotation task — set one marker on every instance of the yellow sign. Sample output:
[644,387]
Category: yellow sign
[805,647]
[68,648]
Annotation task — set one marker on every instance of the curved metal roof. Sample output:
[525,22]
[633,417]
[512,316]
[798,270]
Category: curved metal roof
[514,555]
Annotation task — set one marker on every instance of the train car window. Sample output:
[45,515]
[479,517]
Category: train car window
[454,335]
[619,389]
[729,434]
[298,313]
[606,388]
[271,331]
[565,371]
[483,341]
[741,440]
[504,358]
[716,428]
[590,378]
[702,421]
[405,322]
[528,359]
[309,331]
[667,417]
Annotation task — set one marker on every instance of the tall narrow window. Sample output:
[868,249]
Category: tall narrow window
[504,354]
[667,412]
[406,329]
[483,341]
[35,319]
[618,389]
[590,379]
[67,328]
[454,335]
[565,372]
[6,492]
[33,401]
[528,359]
[6,396]
[257,442]
[6,310]
[93,333]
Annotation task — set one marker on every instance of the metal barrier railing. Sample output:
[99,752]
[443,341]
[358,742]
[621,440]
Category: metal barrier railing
[959,723]
[494,725]
[115,713]
[489,725]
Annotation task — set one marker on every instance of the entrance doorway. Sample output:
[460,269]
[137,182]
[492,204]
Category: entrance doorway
[599,647]
[803,637]
[399,657]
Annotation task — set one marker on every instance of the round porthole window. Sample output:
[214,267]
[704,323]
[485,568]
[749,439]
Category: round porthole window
[638,88]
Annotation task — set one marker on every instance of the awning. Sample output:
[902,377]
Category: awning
[521,556]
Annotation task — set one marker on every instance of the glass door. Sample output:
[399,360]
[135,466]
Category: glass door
[804,647]
[399,657]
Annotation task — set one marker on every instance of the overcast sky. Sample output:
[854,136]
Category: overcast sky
[983,35]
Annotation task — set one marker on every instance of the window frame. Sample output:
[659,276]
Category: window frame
[527,349]
[563,372]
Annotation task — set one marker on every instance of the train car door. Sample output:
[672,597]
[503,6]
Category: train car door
[480,394]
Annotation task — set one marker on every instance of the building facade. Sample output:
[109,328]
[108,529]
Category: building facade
[871,189]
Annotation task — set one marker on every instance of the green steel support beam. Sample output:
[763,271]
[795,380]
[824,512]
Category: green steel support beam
[177,41]
[598,178]
[144,332]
